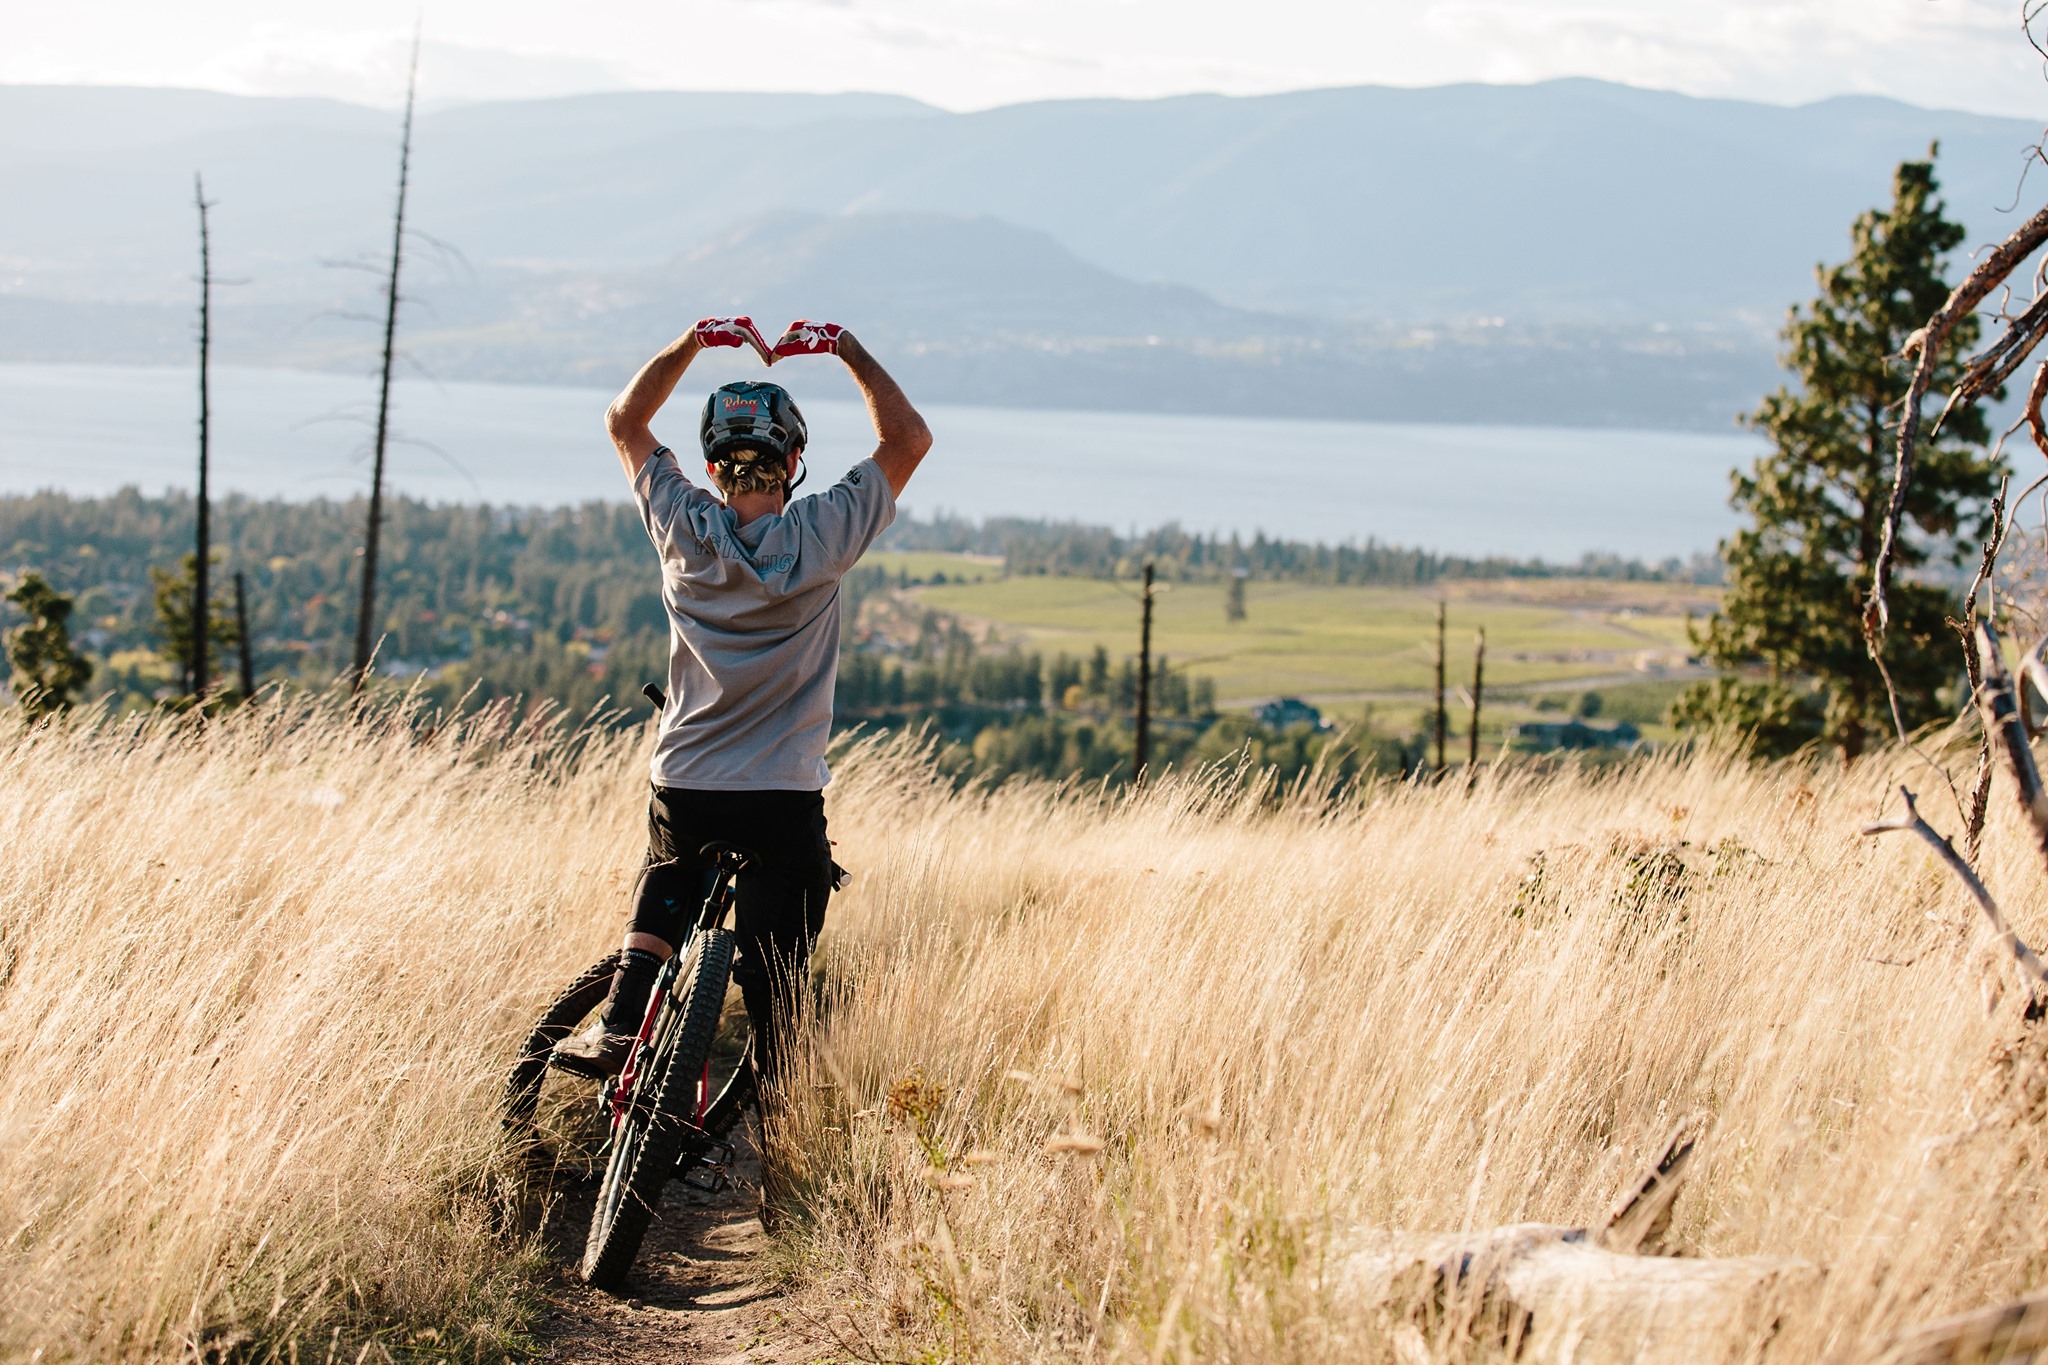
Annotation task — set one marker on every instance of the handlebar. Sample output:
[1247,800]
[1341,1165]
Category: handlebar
[654,694]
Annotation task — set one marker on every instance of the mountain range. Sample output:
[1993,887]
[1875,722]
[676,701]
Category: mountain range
[1572,251]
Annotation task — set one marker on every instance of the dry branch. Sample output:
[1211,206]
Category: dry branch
[1999,707]
[2036,391]
[1925,346]
[1991,367]
[1912,822]
[1980,787]
[1641,1219]
[2033,672]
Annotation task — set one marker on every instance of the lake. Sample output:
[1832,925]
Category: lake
[1550,491]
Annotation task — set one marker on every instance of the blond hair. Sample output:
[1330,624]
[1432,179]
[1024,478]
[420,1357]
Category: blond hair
[749,469]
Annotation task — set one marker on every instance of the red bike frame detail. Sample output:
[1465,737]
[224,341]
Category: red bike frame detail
[622,1093]
[716,907]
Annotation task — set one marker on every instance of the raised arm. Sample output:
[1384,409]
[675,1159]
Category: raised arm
[630,417]
[901,435]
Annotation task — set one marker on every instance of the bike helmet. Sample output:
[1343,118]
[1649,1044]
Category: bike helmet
[749,416]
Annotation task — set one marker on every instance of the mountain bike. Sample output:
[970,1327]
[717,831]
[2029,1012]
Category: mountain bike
[663,1116]
[659,1114]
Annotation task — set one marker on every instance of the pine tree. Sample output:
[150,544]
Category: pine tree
[1788,638]
[174,596]
[47,671]
[1233,596]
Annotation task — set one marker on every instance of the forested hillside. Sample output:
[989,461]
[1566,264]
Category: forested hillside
[563,605]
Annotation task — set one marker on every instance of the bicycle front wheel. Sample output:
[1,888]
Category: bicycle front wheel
[647,1141]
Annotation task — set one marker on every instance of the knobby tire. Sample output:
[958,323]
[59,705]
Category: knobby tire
[585,993]
[646,1145]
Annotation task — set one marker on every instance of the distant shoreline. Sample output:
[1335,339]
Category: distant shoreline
[1529,492]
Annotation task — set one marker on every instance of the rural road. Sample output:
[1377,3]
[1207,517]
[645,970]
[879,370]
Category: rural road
[694,1297]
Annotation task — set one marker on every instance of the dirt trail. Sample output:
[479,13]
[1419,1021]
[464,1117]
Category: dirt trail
[695,1296]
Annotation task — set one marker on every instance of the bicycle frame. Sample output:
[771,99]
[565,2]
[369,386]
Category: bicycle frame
[618,1097]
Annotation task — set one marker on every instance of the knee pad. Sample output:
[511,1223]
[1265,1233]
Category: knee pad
[662,903]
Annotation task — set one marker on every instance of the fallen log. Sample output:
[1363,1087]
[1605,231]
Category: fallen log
[1606,1295]
[1542,1292]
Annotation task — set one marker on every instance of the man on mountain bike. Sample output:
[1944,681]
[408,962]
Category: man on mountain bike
[751,585]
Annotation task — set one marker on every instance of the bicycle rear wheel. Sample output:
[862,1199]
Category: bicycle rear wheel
[584,994]
[648,1140]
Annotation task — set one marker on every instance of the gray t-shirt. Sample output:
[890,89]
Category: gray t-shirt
[753,626]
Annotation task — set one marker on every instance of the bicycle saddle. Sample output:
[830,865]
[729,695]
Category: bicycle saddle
[727,855]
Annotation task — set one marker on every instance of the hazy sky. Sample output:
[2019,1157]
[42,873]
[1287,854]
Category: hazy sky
[973,53]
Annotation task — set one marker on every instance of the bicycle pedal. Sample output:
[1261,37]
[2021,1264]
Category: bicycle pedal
[708,1178]
[707,1171]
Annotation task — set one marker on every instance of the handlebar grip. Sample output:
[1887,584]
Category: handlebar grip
[654,694]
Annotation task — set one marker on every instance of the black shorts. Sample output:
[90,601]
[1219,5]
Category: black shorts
[780,900]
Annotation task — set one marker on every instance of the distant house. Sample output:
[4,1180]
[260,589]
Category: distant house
[1539,736]
[1287,712]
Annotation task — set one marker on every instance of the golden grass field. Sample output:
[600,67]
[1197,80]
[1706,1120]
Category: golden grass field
[1155,1059]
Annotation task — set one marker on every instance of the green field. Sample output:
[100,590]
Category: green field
[1347,648]
[925,566]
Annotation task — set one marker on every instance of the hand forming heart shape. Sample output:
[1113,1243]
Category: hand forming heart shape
[739,331]
[805,337]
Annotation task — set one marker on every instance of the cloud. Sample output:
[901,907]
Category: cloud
[893,27]
[1954,52]
[369,68]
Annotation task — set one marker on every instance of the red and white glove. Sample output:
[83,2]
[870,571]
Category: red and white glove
[738,331]
[805,337]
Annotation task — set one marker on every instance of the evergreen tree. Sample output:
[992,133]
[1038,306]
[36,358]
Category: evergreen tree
[47,671]
[1788,638]
[174,596]
[1233,597]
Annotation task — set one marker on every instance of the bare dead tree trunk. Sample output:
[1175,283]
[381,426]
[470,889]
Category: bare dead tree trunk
[1440,718]
[200,598]
[1478,686]
[1141,753]
[242,636]
[366,613]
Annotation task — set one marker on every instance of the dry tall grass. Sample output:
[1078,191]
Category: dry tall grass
[1096,1078]
[258,987]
